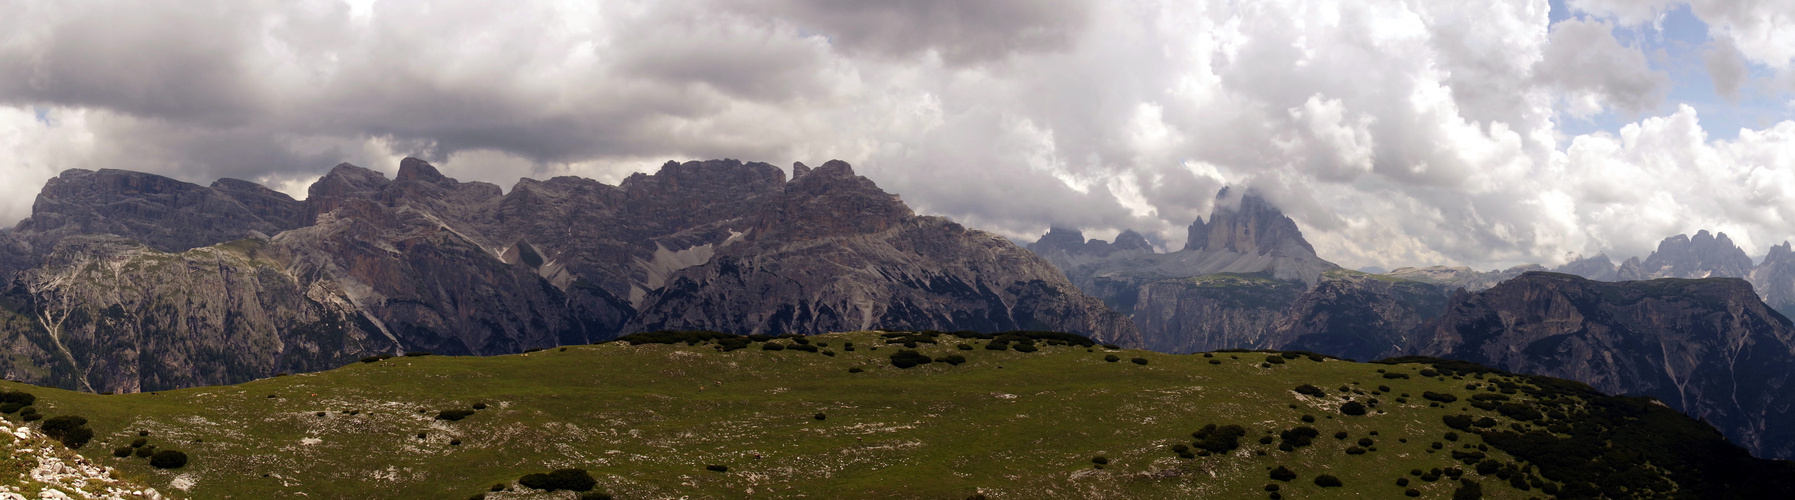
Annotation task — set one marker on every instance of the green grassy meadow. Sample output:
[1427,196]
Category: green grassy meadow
[646,420]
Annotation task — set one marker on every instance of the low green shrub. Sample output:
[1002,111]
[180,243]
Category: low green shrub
[418,353]
[168,459]
[560,479]
[1282,473]
[1353,408]
[952,359]
[1354,450]
[1139,361]
[717,468]
[146,451]
[803,347]
[139,442]
[1112,358]
[1299,436]
[1438,396]
[1327,481]
[454,415]
[1221,439]
[772,346]
[820,416]
[688,337]
[909,358]
[1100,460]
[1310,390]
[855,370]
[71,430]
[123,452]
[963,347]
[371,359]
[1276,360]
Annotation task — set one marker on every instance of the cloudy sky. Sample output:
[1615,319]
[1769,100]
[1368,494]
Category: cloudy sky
[1475,132]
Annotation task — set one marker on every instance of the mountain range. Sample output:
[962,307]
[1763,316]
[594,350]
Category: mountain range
[123,281]
[1694,324]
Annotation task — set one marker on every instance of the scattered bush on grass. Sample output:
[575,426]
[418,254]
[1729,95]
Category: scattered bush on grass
[1327,481]
[1352,408]
[1300,436]
[1438,396]
[146,451]
[122,452]
[1112,358]
[717,468]
[1310,390]
[855,370]
[1100,460]
[168,459]
[1221,439]
[560,479]
[71,430]
[1468,490]
[802,347]
[820,416]
[909,358]
[1276,360]
[952,359]
[963,347]
[454,415]
[772,346]
[371,359]
[1140,361]
[1354,450]
[688,337]
[1283,473]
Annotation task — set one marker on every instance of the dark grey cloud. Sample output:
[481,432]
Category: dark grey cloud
[961,31]
[1395,132]
[1726,67]
[1584,60]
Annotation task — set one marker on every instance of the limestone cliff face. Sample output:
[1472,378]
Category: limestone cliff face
[1229,286]
[834,252]
[1358,317]
[122,281]
[1707,347]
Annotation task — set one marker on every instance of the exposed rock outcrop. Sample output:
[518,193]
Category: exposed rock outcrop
[124,281]
[1708,347]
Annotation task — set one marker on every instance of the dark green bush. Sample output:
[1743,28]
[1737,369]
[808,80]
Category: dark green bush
[560,479]
[371,359]
[963,347]
[453,415]
[1354,450]
[1112,358]
[1267,440]
[952,359]
[1438,396]
[1215,361]
[1219,439]
[1412,492]
[1276,360]
[1021,347]
[717,468]
[1100,460]
[71,430]
[1282,473]
[418,353]
[1139,361]
[1299,436]
[688,337]
[1113,347]
[997,346]
[168,459]
[479,406]
[855,370]
[139,442]
[803,347]
[1394,375]
[908,358]
[1327,481]
[1310,390]
[1468,490]
[15,400]
[498,487]
[1366,441]
[146,451]
[1352,408]
[1308,418]
[772,346]
[122,452]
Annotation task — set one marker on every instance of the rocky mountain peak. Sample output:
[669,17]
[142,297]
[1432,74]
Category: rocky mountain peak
[164,213]
[830,200]
[1598,268]
[1702,256]
[413,169]
[799,169]
[1129,240]
[1252,226]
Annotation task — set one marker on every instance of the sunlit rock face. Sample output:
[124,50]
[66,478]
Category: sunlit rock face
[123,281]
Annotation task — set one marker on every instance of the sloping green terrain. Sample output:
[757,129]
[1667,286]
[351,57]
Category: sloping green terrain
[646,421]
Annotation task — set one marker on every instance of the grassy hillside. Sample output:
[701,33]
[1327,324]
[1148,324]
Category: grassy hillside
[647,420]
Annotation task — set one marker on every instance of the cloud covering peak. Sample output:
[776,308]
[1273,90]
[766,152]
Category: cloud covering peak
[1396,133]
